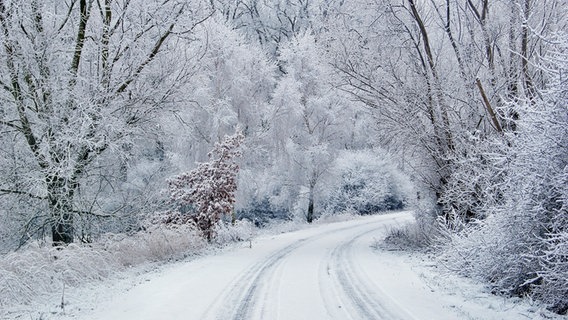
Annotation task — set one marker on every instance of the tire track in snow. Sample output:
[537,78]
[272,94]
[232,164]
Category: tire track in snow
[247,302]
[247,297]
[243,295]
[238,301]
[358,298]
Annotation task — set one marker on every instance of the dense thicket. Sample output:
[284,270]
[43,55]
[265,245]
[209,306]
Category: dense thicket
[521,246]
[103,100]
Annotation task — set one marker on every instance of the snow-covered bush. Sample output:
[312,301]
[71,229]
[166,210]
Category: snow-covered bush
[365,182]
[497,250]
[476,178]
[263,195]
[241,230]
[421,234]
[155,243]
[38,271]
[554,264]
[207,193]
[548,137]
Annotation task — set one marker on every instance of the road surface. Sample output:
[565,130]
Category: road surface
[324,272]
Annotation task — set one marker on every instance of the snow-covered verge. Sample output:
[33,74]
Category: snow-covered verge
[461,266]
[41,280]
[464,297]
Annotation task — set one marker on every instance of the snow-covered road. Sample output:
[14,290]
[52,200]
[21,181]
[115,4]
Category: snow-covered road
[325,272]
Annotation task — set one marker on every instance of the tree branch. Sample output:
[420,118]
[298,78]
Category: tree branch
[67,15]
[80,40]
[10,124]
[148,60]
[16,90]
[488,106]
[8,191]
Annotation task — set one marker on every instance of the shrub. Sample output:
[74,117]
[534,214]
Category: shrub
[363,182]
[207,193]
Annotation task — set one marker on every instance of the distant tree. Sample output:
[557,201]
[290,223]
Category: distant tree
[272,23]
[204,195]
[307,116]
[231,86]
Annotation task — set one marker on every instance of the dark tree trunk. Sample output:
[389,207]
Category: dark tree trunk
[61,210]
[310,216]
[62,229]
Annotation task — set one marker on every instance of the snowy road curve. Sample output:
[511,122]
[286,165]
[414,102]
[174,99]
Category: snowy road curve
[325,272]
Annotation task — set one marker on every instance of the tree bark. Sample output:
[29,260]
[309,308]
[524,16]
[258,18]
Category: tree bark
[60,198]
[490,110]
[527,79]
[310,215]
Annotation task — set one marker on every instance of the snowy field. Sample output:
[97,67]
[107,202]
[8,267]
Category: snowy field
[326,271]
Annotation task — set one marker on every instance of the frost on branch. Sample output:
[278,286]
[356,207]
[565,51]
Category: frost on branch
[203,195]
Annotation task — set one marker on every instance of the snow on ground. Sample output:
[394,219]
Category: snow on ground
[327,271]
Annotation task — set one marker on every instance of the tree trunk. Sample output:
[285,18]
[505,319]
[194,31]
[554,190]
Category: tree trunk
[61,227]
[61,210]
[310,215]
[530,91]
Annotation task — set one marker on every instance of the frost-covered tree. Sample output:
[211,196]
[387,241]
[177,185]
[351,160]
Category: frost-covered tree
[272,23]
[79,79]
[231,87]
[205,194]
[387,62]
[307,117]
[440,76]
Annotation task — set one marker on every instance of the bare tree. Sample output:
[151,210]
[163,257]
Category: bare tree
[78,79]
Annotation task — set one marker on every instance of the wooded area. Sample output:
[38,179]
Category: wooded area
[456,107]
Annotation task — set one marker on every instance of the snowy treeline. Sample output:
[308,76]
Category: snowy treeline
[341,104]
